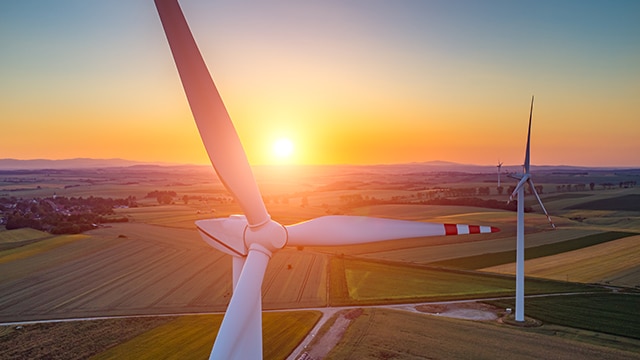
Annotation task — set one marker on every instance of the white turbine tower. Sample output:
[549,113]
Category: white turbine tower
[524,178]
[499,168]
[252,238]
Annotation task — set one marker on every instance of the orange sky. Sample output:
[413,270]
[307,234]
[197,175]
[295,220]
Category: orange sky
[347,83]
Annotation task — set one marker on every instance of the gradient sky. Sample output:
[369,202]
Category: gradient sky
[356,82]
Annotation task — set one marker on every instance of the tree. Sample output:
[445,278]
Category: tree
[500,189]
[164,199]
[592,185]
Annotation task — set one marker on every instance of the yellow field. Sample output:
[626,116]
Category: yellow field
[38,247]
[614,262]
[192,337]
[389,334]
[474,245]
[24,234]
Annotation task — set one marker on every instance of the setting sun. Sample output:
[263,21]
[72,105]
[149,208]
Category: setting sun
[283,148]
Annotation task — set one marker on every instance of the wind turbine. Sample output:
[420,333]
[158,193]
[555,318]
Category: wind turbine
[524,178]
[499,167]
[252,238]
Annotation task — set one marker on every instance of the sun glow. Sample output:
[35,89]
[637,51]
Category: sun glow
[283,149]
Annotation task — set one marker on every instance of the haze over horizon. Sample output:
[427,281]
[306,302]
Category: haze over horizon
[354,82]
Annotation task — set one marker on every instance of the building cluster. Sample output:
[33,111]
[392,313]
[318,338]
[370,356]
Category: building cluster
[60,215]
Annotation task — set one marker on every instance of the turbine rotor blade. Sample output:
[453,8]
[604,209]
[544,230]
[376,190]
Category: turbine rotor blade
[527,156]
[535,192]
[214,124]
[349,230]
[240,335]
[521,183]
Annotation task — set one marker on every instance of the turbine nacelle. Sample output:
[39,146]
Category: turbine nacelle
[235,237]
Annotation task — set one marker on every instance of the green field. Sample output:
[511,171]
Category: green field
[358,282]
[611,313]
[39,247]
[630,202]
[20,235]
[191,337]
[505,257]
[390,334]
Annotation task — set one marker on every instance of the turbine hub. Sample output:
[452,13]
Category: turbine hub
[271,236]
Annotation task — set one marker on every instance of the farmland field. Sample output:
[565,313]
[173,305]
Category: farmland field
[481,246]
[356,281]
[614,262]
[191,337]
[157,263]
[503,257]
[389,334]
[611,313]
[135,268]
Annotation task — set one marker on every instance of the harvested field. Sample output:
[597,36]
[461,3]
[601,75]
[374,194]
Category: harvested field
[389,334]
[38,248]
[478,246]
[614,262]
[355,282]
[425,212]
[135,268]
[192,337]
[505,257]
[185,337]
[71,340]
[20,235]
[295,279]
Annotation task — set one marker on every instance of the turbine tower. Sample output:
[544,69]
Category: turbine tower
[524,178]
[499,167]
[252,238]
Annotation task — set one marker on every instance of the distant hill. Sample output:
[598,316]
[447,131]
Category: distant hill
[406,168]
[78,163]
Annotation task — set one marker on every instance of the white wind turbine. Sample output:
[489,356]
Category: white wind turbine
[253,238]
[524,178]
[499,168]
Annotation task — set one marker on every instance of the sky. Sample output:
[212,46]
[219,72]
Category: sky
[346,82]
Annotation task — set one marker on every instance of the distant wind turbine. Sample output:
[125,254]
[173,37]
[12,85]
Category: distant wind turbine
[499,167]
[252,238]
[524,178]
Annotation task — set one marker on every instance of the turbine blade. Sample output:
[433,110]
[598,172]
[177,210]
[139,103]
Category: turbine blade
[240,335]
[214,124]
[527,156]
[522,182]
[349,230]
[535,192]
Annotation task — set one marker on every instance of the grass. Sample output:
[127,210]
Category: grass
[630,202]
[71,340]
[389,334]
[19,235]
[38,247]
[506,257]
[192,337]
[360,282]
[566,196]
[609,313]
[614,262]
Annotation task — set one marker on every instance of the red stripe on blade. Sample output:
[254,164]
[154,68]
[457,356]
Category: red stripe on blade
[451,229]
[474,229]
